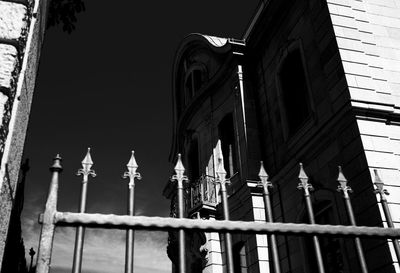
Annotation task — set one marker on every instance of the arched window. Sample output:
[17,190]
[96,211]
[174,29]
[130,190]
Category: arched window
[295,99]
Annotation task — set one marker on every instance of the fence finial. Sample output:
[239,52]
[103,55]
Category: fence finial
[179,171]
[131,173]
[304,185]
[87,164]
[343,183]
[179,168]
[56,164]
[264,178]
[221,173]
[87,161]
[379,185]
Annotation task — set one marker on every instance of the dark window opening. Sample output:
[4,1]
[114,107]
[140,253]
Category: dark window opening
[294,92]
[239,258]
[193,157]
[226,133]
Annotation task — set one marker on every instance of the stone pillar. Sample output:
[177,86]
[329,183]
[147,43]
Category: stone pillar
[22,25]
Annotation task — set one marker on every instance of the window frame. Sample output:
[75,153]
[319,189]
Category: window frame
[310,120]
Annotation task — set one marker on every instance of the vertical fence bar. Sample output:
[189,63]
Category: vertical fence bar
[266,184]
[87,164]
[130,234]
[307,187]
[180,177]
[221,178]
[382,193]
[346,189]
[48,226]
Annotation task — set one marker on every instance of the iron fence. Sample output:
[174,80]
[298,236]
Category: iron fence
[51,218]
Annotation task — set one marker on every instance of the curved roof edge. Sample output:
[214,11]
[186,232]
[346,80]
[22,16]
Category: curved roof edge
[215,41]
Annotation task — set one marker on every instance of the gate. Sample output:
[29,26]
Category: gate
[51,218]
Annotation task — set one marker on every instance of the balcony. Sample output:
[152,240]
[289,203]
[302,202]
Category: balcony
[203,193]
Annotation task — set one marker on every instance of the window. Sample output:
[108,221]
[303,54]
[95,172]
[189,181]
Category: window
[226,133]
[294,91]
[193,157]
[239,257]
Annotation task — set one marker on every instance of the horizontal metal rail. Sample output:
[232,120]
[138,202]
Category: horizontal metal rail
[165,223]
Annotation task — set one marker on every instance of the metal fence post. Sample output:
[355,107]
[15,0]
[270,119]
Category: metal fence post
[346,189]
[87,164]
[180,177]
[266,184]
[221,178]
[131,174]
[382,193]
[307,187]
[48,225]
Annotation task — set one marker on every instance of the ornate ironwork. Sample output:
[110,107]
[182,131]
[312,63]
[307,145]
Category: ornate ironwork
[131,173]
[304,185]
[379,186]
[52,218]
[343,184]
[86,170]
[204,191]
[264,179]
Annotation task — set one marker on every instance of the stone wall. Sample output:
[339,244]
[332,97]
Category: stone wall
[22,26]
[368,37]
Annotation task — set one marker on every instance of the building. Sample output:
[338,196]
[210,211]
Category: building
[315,82]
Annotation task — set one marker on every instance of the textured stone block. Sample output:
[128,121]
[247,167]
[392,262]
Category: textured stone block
[3,101]
[8,61]
[12,20]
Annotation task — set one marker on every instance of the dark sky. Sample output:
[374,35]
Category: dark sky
[108,86]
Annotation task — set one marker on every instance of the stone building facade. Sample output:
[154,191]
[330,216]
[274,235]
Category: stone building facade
[22,26]
[316,82]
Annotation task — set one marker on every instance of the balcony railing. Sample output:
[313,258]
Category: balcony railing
[203,192]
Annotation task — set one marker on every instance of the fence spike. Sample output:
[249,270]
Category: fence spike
[263,175]
[132,166]
[87,164]
[179,165]
[221,173]
[343,183]
[379,185]
[87,161]
[179,171]
[304,185]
